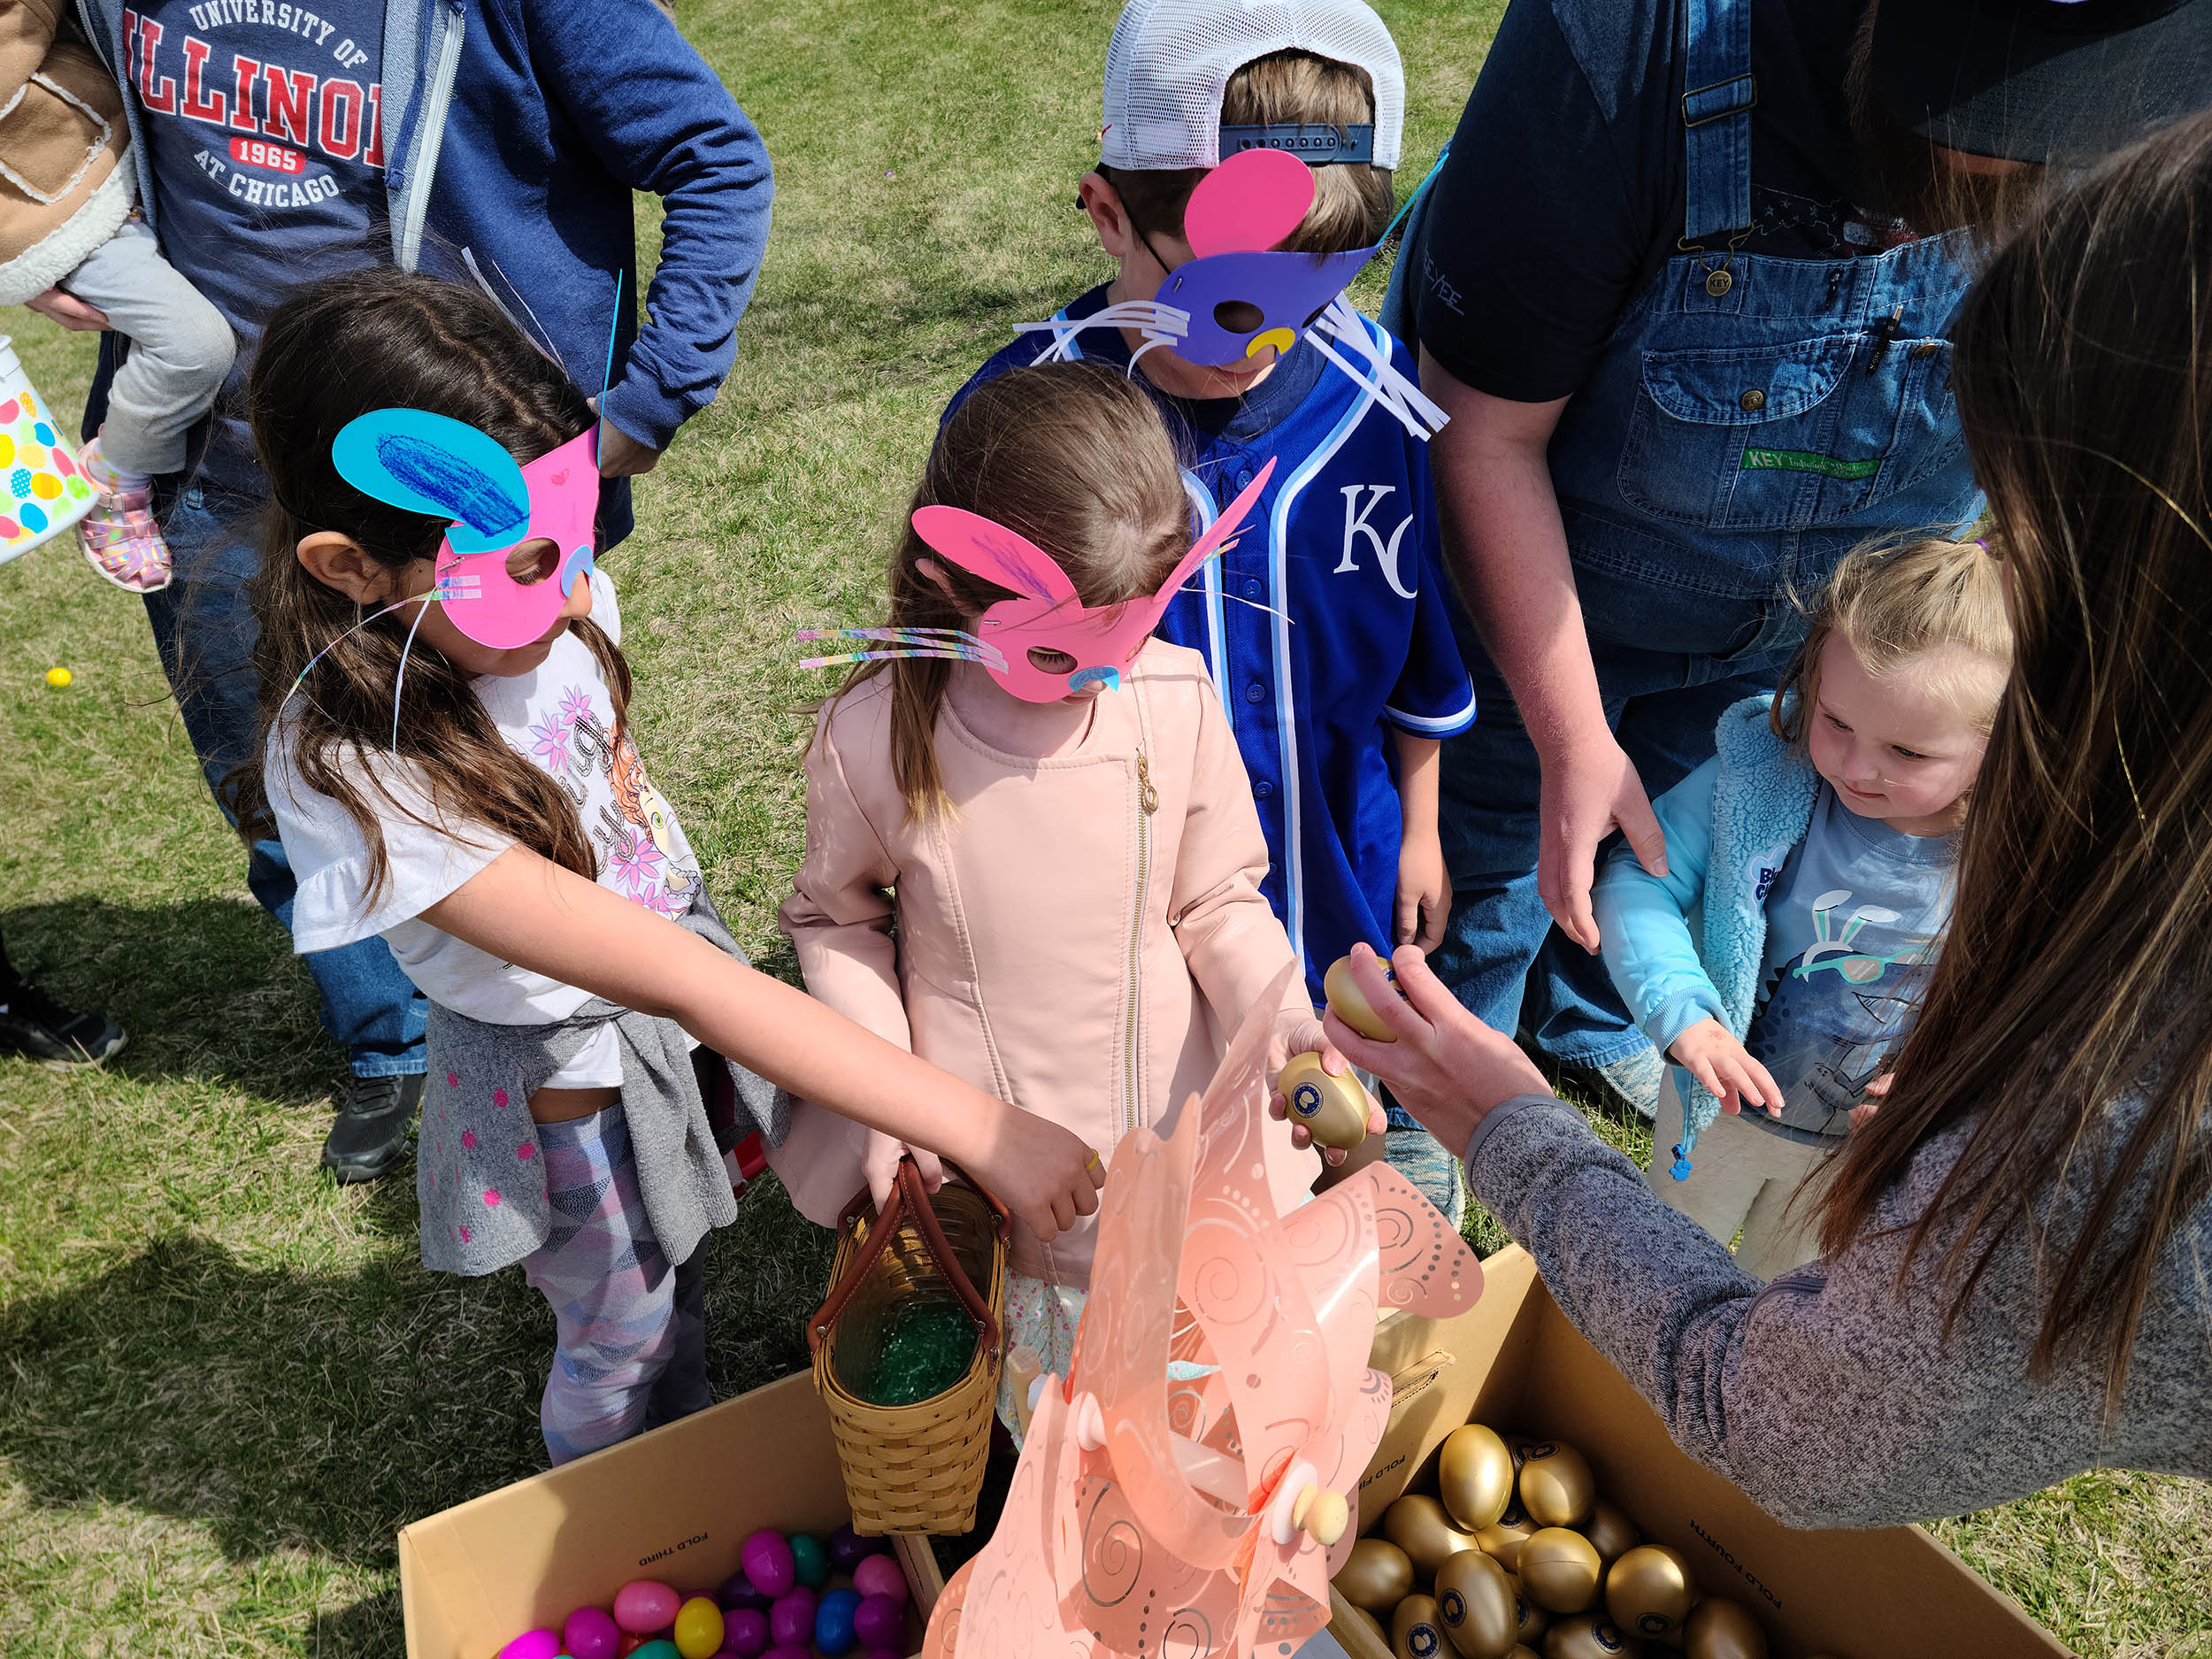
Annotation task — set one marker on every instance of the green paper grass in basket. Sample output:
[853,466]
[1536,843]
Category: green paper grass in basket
[927,1346]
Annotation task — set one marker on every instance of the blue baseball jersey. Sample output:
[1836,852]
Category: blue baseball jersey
[1326,625]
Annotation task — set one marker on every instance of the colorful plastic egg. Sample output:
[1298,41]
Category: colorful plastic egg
[58,677]
[1350,1002]
[791,1621]
[1474,1476]
[1376,1575]
[848,1550]
[833,1622]
[1719,1629]
[1559,1571]
[644,1606]
[662,1648]
[1557,1488]
[591,1633]
[789,1650]
[1417,1630]
[879,1575]
[698,1628]
[737,1591]
[767,1562]
[879,1621]
[1649,1591]
[630,1645]
[1424,1530]
[745,1631]
[533,1644]
[809,1561]
[1332,1109]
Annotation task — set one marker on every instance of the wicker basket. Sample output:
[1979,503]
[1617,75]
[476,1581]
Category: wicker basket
[917,1468]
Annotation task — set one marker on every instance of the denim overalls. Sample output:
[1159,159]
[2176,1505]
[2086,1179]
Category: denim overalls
[1752,419]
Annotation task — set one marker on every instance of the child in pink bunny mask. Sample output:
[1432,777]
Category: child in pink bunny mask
[1033,855]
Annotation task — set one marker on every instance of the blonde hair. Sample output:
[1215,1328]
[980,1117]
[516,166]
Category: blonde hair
[1892,604]
[1351,200]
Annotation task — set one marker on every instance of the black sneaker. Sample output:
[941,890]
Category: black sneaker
[34,1025]
[371,1128]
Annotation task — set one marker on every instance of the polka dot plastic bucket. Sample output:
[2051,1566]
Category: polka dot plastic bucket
[44,492]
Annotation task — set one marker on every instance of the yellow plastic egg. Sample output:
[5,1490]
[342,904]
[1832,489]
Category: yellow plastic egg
[1376,1575]
[1721,1628]
[1611,1534]
[1474,1474]
[1474,1598]
[1557,1488]
[1589,1636]
[1350,1002]
[699,1628]
[1502,1540]
[1649,1591]
[58,677]
[1333,1109]
[1559,1570]
[1416,1629]
[1424,1530]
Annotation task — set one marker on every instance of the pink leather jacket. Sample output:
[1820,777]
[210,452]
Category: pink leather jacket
[1078,936]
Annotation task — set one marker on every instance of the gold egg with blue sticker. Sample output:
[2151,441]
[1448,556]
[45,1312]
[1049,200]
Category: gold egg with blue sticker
[1350,1002]
[1332,1109]
[1557,1488]
[1649,1591]
[1474,1598]
[1423,1528]
[1376,1575]
[1417,1631]
[1720,1629]
[1474,1476]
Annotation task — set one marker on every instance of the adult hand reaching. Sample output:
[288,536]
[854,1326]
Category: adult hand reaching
[69,312]
[1590,789]
[621,456]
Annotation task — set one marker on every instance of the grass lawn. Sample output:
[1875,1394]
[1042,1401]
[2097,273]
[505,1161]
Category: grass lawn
[225,1384]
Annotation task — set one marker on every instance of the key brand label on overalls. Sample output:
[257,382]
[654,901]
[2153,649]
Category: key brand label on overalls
[1804,461]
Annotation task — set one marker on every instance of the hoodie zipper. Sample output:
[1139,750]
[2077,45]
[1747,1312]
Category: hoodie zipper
[1148,803]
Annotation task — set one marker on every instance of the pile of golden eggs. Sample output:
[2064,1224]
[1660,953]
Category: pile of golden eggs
[1518,1557]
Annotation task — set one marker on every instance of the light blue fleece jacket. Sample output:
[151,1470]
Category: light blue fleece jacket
[1690,945]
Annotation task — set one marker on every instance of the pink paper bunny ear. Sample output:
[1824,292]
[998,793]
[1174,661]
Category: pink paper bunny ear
[987,548]
[1251,202]
[1226,526]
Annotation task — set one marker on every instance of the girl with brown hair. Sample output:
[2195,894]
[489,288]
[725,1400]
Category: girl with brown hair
[2012,1287]
[485,810]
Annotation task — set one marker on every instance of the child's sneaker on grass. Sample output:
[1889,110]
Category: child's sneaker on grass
[370,1131]
[39,1027]
[120,537]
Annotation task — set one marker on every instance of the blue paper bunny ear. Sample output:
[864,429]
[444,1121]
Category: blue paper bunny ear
[432,464]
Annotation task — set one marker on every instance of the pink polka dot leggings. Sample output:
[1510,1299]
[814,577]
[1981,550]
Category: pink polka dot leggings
[630,1349]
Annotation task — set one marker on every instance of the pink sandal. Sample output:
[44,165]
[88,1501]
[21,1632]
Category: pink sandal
[120,537]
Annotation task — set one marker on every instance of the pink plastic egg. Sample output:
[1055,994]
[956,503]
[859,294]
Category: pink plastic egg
[745,1632]
[592,1633]
[879,1621]
[766,1559]
[877,1575]
[644,1606]
[791,1621]
[533,1644]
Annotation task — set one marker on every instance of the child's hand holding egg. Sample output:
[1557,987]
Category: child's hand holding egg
[1332,1108]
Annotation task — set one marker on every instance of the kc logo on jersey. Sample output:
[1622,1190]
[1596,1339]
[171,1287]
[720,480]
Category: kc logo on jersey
[1357,525]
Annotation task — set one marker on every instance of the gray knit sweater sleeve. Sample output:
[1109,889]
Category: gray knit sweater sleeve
[1831,1396]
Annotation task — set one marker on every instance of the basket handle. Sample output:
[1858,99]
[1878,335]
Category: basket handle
[907,1193]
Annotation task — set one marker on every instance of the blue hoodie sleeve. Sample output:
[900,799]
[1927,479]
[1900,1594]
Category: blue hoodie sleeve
[1643,919]
[659,119]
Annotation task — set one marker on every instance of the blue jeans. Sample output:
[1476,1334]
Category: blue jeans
[205,630]
[1500,955]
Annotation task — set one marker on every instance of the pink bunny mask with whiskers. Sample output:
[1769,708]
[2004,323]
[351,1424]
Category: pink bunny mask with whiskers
[1046,615]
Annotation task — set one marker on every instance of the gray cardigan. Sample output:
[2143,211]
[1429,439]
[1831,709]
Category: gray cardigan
[1830,1396]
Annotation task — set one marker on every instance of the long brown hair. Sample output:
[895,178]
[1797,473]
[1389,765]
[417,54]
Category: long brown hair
[335,349]
[1075,458]
[2077,972]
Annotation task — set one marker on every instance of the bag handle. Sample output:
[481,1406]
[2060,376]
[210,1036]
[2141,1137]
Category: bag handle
[909,1194]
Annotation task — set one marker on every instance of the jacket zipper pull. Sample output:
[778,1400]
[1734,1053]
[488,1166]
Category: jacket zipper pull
[1146,792]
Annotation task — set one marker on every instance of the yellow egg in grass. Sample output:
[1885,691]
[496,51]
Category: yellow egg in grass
[1474,1475]
[1559,1571]
[1557,1488]
[1423,1528]
[1589,1636]
[1611,1534]
[58,677]
[1649,1591]
[1417,1631]
[1502,1541]
[1720,1629]
[1376,1575]
[1474,1598]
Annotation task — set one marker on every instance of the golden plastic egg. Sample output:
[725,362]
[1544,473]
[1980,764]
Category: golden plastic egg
[1557,1488]
[1649,1591]
[1374,1626]
[1475,1600]
[1474,1472]
[1416,1629]
[1721,1628]
[1559,1570]
[1611,1534]
[1423,1528]
[1503,1540]
[1528,1620]
[1588,1636]
[1376,1575]
[1350,1002]
[1333,1109]
[1519,1445]
[1522,1651]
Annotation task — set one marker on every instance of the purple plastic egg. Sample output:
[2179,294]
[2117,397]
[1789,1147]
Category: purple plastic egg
[848,1550]
[789,1650]
[766,1559]
[737,1591]
[533,1644]
[879,1621]
[791,1621]
[878,1575]
[592,1633]
[745,1632]
[644,1606]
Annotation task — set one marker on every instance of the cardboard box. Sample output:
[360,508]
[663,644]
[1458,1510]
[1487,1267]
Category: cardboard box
[674,1505]
[1514,1362]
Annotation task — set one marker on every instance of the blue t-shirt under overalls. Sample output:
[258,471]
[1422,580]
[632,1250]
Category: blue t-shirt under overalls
[1325,626]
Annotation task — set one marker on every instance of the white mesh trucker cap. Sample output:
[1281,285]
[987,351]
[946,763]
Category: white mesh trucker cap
[1171,60]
